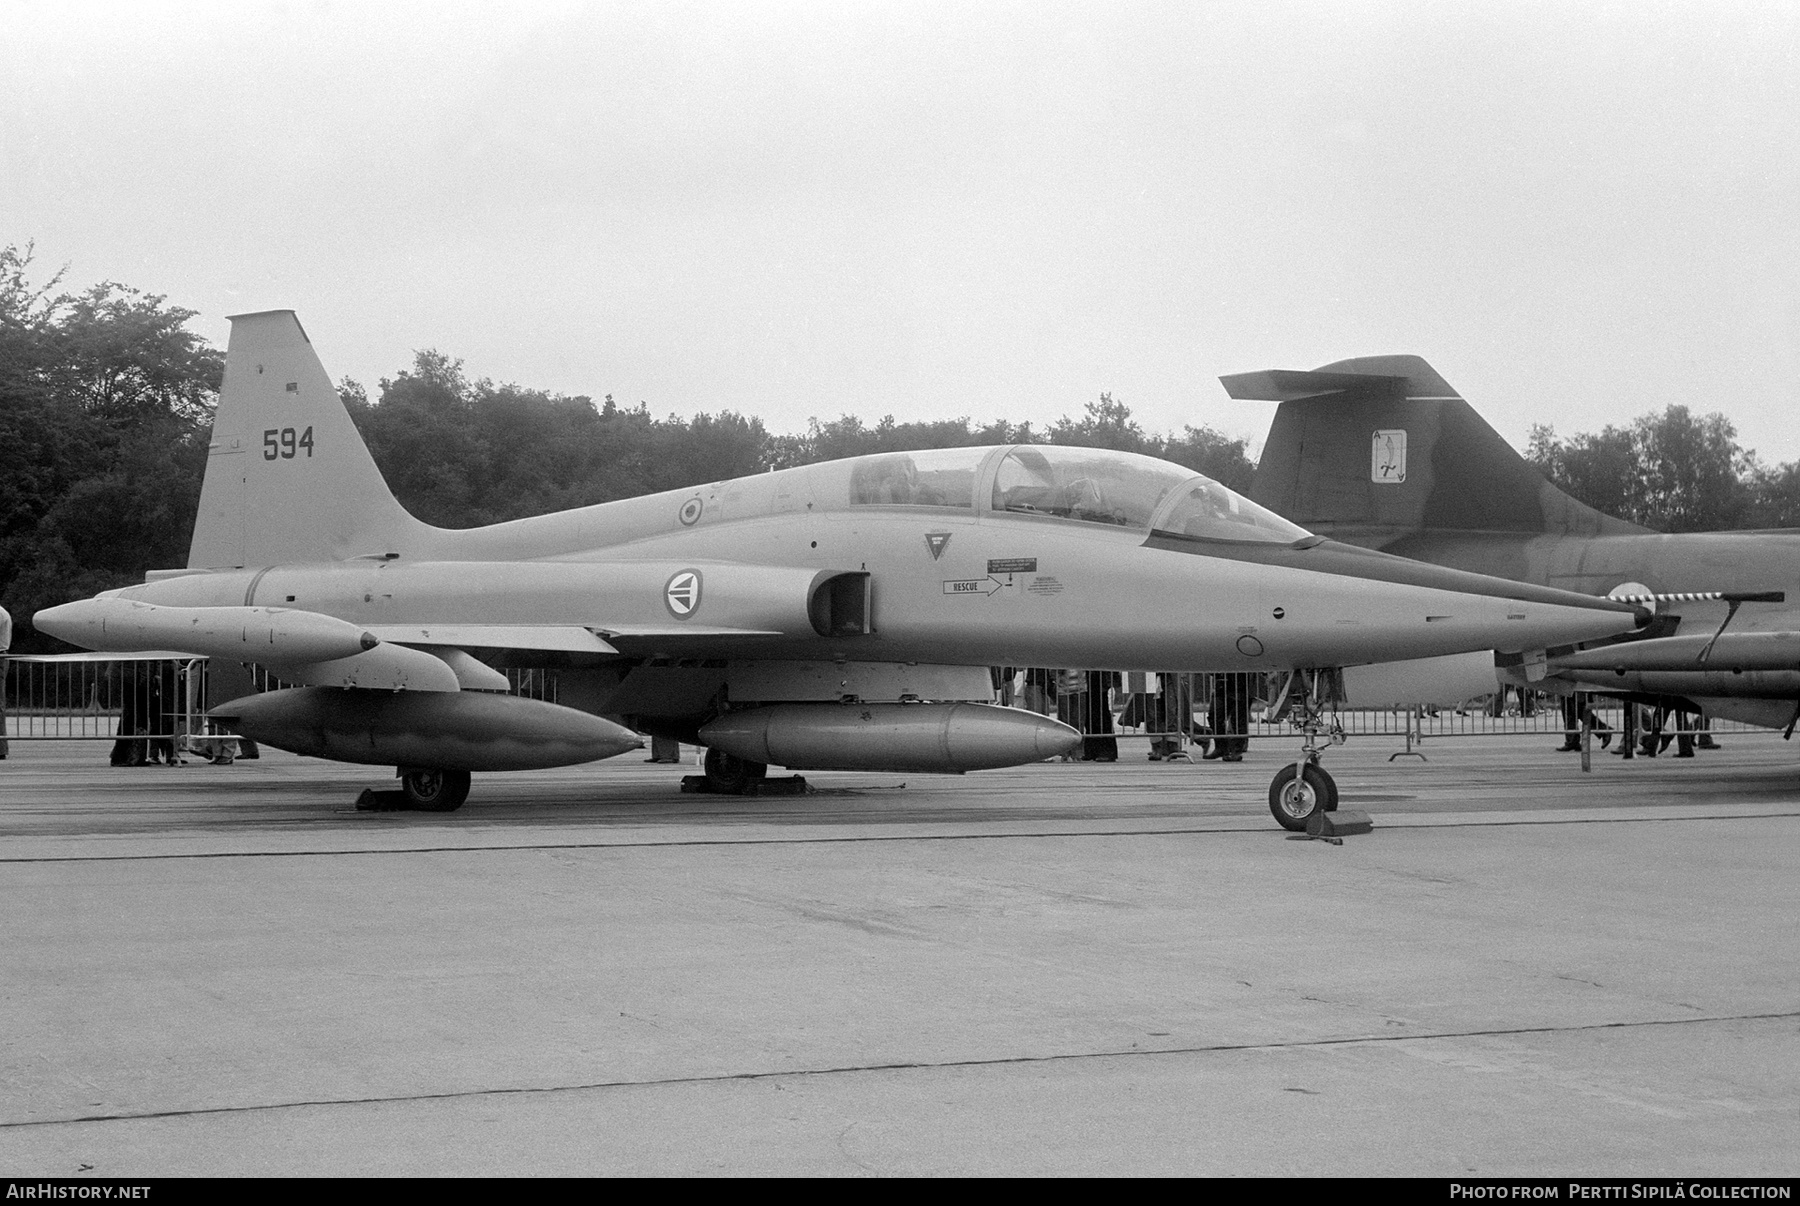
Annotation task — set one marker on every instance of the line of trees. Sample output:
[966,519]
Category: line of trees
[1673,472]
[461,453]
[106,410]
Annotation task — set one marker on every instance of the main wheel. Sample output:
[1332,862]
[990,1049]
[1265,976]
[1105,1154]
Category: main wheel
[435,790]
[730,775]
[1293,802]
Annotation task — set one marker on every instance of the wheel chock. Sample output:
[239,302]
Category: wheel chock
[382,801]
[792,786]
[1345,822]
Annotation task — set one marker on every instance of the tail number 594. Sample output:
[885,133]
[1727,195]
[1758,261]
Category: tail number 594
[282,442]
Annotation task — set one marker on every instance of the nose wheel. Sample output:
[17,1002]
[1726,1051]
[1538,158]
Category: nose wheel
[1295,795]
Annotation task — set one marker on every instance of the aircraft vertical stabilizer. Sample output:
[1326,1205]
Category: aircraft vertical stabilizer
[1381,445]
[288,477]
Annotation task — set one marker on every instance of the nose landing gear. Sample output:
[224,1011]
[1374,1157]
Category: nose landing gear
[1302,787]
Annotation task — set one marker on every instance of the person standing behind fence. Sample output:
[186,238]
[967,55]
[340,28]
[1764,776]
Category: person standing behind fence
[227,680]
[1230,711]
[1097,720]
[1684,732]
[127,750]
[1703,740]
[1172,711]
[1573,708]
[1040,691]
[163,720]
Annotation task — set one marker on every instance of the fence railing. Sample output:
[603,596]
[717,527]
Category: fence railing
[107,699]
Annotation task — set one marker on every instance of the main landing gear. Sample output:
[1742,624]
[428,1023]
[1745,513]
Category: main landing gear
[731,776]
[421,790]
[1302,787]
[434,790]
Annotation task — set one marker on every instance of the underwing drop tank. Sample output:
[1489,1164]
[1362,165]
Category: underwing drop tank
[945,738]
[461,731]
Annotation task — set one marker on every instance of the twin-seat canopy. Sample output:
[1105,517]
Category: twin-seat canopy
[1082,485]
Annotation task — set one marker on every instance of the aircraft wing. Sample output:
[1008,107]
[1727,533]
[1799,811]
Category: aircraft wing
[555,638]
[629,631]
[601,639]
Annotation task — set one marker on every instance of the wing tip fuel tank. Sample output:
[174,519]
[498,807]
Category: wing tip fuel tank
[264,634]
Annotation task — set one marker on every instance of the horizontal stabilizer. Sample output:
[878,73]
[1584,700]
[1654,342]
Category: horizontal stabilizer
[1407,378]
[1292,385]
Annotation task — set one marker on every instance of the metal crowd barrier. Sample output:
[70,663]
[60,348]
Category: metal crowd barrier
[50,700]
[1512,713]
[43,699]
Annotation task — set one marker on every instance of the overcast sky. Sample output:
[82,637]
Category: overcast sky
[1577,212]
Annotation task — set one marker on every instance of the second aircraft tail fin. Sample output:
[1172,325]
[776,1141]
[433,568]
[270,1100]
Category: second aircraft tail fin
[288,476]
[1373,448]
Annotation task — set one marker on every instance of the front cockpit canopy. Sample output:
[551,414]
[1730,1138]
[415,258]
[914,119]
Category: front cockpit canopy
[1092,485]
[1208,511]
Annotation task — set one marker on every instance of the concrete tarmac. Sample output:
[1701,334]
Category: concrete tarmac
[1059,969]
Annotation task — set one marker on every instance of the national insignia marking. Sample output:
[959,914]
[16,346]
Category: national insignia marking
[682,594]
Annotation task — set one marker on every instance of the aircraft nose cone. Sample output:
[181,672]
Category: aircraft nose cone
[62,620]
[1053,738]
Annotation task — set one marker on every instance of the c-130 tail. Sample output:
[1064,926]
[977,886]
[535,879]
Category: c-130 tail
[1371,449]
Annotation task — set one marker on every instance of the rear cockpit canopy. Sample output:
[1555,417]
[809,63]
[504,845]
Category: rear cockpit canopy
[1081,485]
[932,477]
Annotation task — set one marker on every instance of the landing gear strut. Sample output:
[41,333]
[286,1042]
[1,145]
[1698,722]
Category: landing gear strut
[1302,787]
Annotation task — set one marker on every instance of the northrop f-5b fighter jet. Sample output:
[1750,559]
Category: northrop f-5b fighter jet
[836,616]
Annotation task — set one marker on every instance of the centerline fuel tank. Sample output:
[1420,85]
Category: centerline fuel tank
[945,738]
